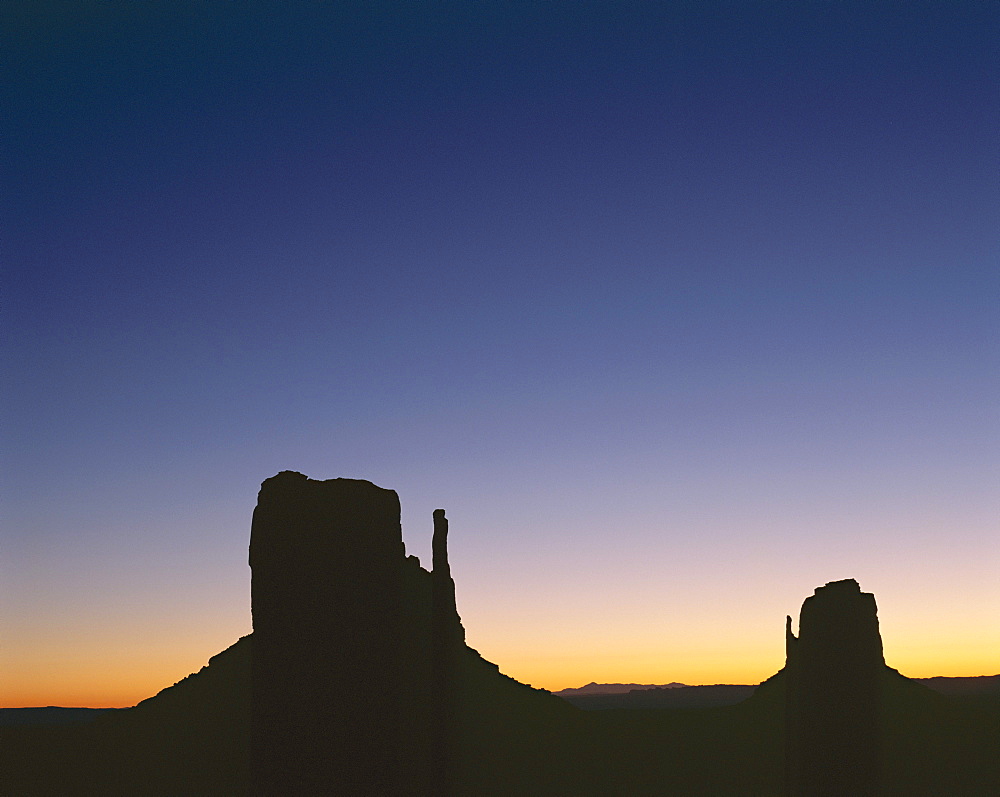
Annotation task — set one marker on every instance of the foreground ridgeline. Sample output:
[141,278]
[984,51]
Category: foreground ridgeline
[357,680]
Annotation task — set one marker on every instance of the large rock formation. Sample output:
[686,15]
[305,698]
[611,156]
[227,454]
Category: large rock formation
[835,671]
[327,597]
[361,675]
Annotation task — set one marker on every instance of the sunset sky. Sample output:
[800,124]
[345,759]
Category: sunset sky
[679,309]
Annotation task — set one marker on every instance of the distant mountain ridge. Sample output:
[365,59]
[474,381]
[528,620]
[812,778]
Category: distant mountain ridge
[968,685]
[670,697]
[677,695]
[612,689]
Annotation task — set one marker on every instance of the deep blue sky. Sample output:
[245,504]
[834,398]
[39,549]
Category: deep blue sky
[657,293]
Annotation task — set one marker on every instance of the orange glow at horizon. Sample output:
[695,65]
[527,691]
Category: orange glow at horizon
[95,681]
[555,672]
[545,675]
[628,624]
[110,668]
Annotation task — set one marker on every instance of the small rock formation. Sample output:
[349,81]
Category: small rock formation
[834,668]
[447,640]
[327,563]
[447,623]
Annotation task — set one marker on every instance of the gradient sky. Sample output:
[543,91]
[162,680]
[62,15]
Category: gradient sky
[679,309]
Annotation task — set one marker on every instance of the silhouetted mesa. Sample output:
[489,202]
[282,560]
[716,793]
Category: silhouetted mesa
[834,671]
[326,559]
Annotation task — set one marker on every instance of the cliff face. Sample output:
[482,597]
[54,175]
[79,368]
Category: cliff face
[835,670]
[327,598]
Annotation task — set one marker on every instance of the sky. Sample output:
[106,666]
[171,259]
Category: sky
[680,310]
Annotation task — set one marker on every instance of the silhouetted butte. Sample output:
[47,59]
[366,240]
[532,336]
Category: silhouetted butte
[834,670]
[326,559]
